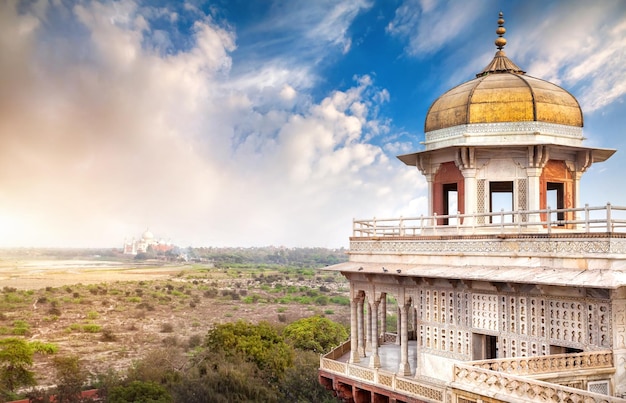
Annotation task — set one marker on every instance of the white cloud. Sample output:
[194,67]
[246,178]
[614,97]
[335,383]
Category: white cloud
[429,26]
[108,134]
[288,93]
[332,28]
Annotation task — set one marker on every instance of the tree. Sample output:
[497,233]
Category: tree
[70,378]
[260,344]
[215,377]
[139,392]
[315,333]
[16,357]
[300,383]
[160,366]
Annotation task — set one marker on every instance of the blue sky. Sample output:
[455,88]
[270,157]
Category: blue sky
[251,123]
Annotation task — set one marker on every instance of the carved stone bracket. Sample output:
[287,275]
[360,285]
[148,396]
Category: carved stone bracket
[584,160]
[425,166]
[538,156]
[465,158]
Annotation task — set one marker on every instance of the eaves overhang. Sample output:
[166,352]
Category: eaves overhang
[597,154]
[563,277]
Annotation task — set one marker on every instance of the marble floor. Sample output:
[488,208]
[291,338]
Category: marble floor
[389,357]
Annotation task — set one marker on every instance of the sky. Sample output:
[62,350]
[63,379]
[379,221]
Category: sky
[261,122]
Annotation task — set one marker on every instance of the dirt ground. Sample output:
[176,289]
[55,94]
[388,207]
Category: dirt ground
[138,309]
[37,274]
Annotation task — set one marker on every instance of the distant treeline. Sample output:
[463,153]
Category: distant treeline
[221,257]
[296,257]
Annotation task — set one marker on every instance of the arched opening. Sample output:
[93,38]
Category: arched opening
[501,199]
[448,193]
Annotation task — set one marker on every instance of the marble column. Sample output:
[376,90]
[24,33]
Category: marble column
[383,318]
[368,332]
[579,215]
[375,359]
[470,196]
[398,325]
[354,338]
[534,193]
[361,327]
[416,330]
[405,368]
[431,207]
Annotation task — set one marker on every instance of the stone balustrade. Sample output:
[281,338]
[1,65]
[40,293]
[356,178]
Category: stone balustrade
[500,378]
[514,388]
[339,351]
[380,378]
[606,219]
[548,364]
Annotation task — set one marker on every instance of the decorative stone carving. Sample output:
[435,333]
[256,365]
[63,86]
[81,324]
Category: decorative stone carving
[524,128]
[538,245]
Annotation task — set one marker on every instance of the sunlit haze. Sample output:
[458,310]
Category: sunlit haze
[252,123]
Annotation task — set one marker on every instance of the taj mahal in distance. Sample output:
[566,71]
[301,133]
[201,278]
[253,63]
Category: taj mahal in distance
[523,304]
[147,242]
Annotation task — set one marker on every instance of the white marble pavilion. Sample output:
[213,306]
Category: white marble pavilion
[521,303]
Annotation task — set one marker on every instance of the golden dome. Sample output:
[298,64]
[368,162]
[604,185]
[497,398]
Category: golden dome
[503,93]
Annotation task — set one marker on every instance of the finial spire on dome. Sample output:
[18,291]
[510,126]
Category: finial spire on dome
[501,41]
[500,63]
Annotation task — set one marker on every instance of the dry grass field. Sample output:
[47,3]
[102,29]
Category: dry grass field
[111,314]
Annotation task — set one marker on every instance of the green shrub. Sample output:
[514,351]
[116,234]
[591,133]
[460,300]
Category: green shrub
[138,391]
[108,335]
[194,341]
[260,344]
[91,328]
[211,293]
[316,334]
[340,300]
[13,298]
[321,300]
[146,306]
[44,348]
[170,341]
[20,328]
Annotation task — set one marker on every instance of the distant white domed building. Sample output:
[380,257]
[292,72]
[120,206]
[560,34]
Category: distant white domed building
[146,242]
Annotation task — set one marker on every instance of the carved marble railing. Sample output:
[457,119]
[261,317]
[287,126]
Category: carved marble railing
[514,388]
[587,219]
[500,378]
[381,378]
[549,363]
[390,337]
[339,351]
